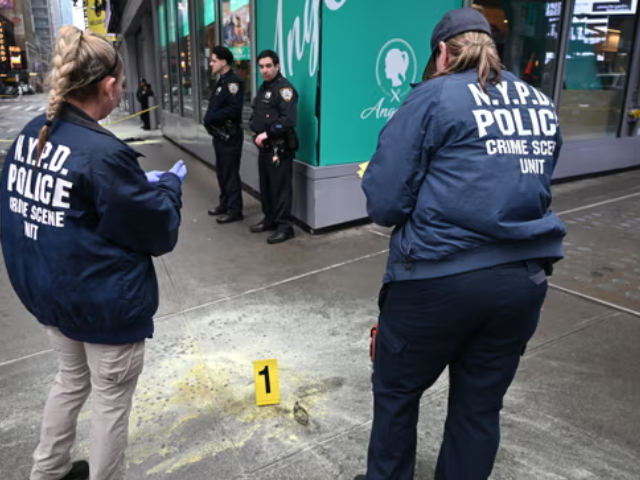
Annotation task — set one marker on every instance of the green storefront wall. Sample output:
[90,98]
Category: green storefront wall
[352,62]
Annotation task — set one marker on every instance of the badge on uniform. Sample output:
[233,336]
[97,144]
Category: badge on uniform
[218,90]
[233,88]
[287,94]
[267,95]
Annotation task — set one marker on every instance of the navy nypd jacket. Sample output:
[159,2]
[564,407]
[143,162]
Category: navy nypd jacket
[79,232]
[465,178]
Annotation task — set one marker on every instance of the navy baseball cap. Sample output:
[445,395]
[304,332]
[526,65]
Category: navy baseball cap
[454,23]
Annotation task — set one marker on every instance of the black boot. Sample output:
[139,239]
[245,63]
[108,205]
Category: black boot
[280,237]
[219,210]
[79,471]
[230,218]
[262,227]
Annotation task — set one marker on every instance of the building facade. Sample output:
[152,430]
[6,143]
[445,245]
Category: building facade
[23,60]
[352,64]
[44,14]
[66,13]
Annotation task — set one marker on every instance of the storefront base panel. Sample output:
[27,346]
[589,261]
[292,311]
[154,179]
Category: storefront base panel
[329,196]
[585,157]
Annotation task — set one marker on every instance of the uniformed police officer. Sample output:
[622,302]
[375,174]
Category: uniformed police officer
[223,121]
[473,243]
[273,121]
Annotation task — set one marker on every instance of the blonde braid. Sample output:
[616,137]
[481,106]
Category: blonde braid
[60,78]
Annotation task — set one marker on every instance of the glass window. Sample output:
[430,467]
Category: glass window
[207,39]
[598,55]
[164,55]
[236,35]
[184,40]
[526,34]
[174,59]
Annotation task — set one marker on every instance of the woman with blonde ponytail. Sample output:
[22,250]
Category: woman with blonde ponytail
[463,172]
[80,222]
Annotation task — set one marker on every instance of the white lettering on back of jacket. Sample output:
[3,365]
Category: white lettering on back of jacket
[40,195]
[521,122]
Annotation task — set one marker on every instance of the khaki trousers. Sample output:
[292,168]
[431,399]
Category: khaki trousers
[112,372]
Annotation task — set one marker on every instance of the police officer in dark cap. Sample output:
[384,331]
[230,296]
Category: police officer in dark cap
[143,94]
[223,122]
[273,121]
[463,172]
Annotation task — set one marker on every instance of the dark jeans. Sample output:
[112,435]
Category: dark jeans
[478,324]
[228,154]
[276,190]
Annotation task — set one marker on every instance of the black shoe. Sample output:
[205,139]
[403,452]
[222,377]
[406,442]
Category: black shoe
[219,210]
[280,237]
[79,471]
[360,477]
[262,227]
[229,218]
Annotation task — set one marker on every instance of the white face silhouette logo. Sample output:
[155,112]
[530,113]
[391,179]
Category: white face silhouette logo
[396,68]
[396,65]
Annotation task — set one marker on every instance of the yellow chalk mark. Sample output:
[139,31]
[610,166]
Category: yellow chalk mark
[363,168]
[189,392]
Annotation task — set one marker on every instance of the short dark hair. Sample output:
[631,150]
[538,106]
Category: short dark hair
[223,53]
[269,54]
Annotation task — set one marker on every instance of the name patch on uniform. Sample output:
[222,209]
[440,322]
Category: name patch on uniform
[267,95]
[233,88]
[218,90]
[287,94]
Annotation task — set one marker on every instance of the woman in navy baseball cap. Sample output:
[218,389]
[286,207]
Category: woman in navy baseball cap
[463,172]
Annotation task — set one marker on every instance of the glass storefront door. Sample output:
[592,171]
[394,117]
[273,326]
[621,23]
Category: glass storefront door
[597,65]
[164,56]
[236,35]
[226,23]
[207,39]
[184,43]
[527,36]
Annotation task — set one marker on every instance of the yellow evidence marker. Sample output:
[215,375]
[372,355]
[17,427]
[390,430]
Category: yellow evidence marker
[267,381]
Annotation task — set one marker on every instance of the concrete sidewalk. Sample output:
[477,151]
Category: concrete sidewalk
[228,298]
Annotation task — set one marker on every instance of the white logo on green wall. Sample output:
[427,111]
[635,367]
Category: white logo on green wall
[396,70]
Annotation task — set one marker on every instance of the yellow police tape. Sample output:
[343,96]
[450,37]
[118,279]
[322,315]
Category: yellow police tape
[111,123]
[130,116]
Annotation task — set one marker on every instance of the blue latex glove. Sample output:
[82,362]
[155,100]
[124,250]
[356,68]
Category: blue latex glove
[154,176]
[179,169]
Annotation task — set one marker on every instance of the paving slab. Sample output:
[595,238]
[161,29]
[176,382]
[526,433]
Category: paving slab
[24,387]
[318,330]
[21,333]
[570,413]
[602,253]
[580,193]
[567,415]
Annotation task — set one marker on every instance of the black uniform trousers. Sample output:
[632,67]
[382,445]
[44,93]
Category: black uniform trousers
[228,154]
[478,324]
[144,105]
[276,190]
